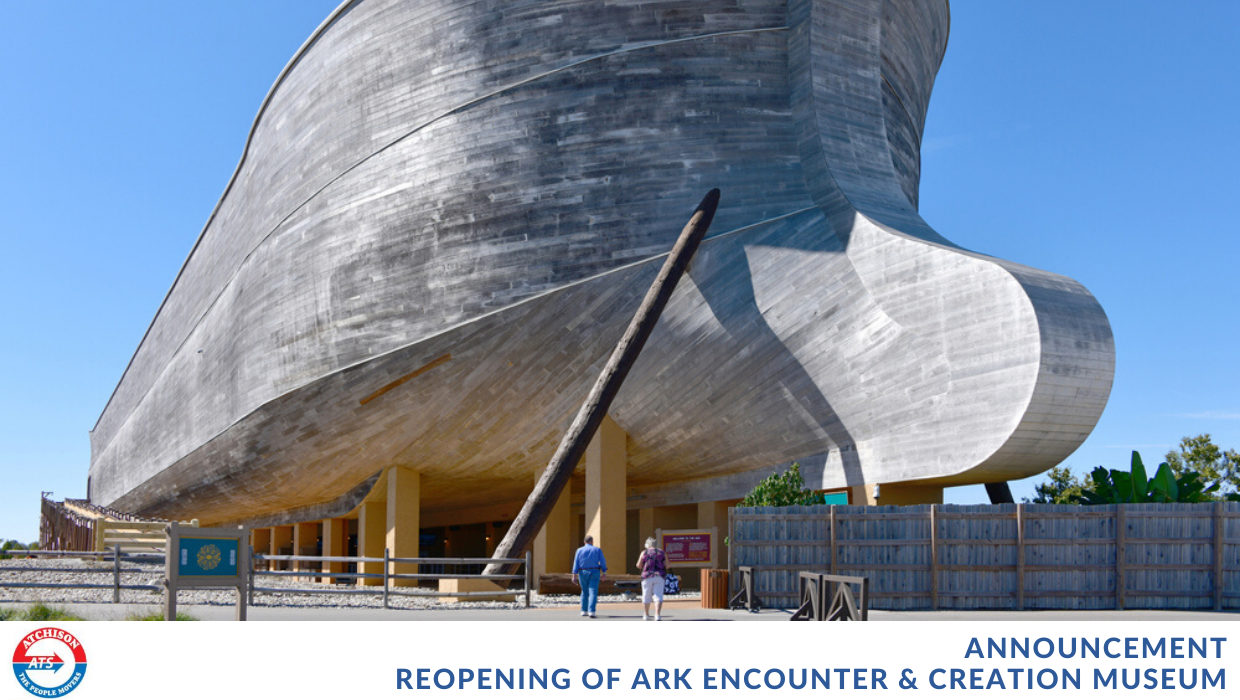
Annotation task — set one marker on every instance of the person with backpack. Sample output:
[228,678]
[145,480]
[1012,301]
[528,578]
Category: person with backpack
[653,565]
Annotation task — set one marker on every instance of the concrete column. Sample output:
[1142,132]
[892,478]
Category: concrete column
[404,511]
[281,543]
[606,469]
[906,493]
[260,540]
[305,537]
[714,514]
[335,539]
[554,546]
[371,539]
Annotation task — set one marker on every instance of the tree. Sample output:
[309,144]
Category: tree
[1215,465]
[1062,487]
[787,489]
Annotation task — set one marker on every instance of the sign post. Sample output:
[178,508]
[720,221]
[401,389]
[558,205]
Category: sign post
[685,548]
[205,558]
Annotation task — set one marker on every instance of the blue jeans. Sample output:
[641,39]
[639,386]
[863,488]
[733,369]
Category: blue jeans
[589,589]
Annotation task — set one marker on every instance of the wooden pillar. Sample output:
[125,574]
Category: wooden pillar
[554,546]
[404,503]
[335,540]
[260,540]
[282,543]
[371,539]
[305,537]
[606,469]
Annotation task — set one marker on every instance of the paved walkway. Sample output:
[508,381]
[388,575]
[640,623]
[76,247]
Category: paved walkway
[678,611]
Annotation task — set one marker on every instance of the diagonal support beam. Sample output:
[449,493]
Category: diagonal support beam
[558,472]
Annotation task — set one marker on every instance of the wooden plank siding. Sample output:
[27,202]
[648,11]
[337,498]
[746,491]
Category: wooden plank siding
[1010,556]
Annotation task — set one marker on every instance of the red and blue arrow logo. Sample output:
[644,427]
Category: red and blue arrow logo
[49,662]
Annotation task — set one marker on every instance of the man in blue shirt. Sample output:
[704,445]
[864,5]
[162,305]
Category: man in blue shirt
[590,566]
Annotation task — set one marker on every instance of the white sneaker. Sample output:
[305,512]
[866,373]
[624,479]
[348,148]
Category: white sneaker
[584,613]
[592,615]
[657,618]
[645,617]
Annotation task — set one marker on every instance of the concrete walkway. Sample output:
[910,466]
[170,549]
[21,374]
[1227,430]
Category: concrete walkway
[678,611]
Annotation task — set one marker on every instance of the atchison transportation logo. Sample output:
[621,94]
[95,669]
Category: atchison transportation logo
[49,662]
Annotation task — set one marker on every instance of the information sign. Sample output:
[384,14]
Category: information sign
[689,547]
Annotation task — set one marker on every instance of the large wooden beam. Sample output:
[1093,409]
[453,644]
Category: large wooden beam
[560,469]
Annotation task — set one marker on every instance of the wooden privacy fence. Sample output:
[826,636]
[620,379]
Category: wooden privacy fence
[1023,556]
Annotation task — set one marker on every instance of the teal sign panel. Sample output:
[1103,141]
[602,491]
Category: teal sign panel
[839,498]
[209,556]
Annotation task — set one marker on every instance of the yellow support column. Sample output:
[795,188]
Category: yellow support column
[260,540]
[404,503]
[905,493]
[305,537]
[281,543]
[714,514]
[554,546]
[334,541]
[371,539]
[606,471]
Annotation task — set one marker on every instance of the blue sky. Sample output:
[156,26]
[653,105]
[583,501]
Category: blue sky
[1095,140]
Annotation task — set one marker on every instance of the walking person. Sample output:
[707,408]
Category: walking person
[589,566]
[653,565]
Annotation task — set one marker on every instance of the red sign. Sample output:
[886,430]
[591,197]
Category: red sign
[691,548]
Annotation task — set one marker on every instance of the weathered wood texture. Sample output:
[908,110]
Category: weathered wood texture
[559,471]
[495,183]
[1177,556]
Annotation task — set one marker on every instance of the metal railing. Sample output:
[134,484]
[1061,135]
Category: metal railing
[437,570]
[118,570]
[386,573]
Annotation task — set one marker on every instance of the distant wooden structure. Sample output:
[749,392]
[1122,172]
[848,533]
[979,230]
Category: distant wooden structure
[1018,556]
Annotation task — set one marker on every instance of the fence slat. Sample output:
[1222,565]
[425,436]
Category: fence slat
[1036,556]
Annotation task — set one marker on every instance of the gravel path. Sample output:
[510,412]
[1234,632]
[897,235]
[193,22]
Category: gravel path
[89,571]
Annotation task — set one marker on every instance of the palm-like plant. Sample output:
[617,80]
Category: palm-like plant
[1115,486]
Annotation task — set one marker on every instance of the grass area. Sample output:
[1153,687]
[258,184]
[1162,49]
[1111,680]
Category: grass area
[38,612]
[159,617]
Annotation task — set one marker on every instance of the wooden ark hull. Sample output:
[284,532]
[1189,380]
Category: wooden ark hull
[446,213]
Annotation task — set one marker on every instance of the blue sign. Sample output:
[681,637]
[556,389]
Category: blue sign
[209,556]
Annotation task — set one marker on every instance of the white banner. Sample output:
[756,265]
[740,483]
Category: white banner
[597,658]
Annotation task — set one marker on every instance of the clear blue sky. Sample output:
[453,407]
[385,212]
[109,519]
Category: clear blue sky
[1095,140]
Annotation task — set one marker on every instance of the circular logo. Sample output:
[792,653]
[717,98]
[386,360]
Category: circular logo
[209,557]
[49,662]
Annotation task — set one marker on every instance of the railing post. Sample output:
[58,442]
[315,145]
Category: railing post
[529,576]
[386,556]
[250,591]
[116,574]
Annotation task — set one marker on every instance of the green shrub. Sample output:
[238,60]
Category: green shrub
[158,617]
[38,612]
[787,489]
